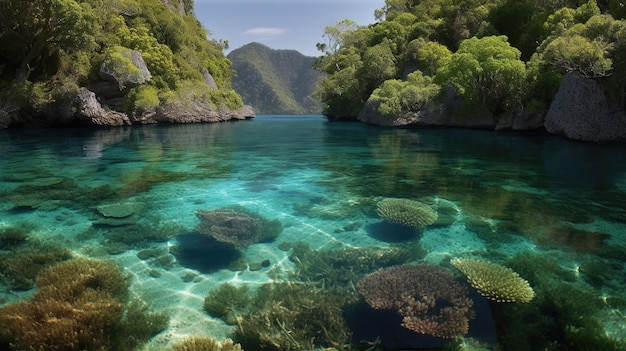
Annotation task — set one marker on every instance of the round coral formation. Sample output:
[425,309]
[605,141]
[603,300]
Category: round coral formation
[237,226]
[428,298]
[406,212]
[494,281]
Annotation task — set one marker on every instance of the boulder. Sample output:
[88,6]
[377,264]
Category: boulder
[582,111]
[83,109]
[128,69]
[194,111]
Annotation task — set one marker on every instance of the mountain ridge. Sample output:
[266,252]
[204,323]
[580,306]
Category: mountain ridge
[275,81]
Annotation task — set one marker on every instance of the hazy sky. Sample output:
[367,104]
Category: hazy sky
[280,24]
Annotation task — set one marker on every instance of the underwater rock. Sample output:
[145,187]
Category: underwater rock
[237,226]
[116,210]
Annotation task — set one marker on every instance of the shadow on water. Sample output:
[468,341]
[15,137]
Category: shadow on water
[391,232]
[203,253]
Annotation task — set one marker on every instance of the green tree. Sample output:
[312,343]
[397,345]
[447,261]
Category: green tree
[336,36]
[487,73]
[28,29]
[395,97]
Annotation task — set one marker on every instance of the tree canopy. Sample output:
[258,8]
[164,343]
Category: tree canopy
[50,47]
[496,56]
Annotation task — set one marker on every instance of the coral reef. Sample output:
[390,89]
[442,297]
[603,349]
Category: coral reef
[406,212]
[342,267]
[237,226]
[227,302]
[494,281]
[204,343]
[23,257]
[293,316]
[80,305]
[428,298]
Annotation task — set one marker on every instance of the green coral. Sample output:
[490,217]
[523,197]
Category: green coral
[406,212]
[23,257]
[494,281]
[293,316]
[227,301]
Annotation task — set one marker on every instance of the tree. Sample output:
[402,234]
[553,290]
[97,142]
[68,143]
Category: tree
[487,73]
[335,36]
[29,28]
[395,97]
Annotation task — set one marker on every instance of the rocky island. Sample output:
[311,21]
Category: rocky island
[111,63]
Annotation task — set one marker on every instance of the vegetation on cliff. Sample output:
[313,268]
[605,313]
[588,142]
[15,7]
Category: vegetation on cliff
[470,57]
[275,81]
[53,47]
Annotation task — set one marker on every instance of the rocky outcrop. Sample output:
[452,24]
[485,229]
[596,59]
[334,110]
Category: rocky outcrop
[447,114]
[83,109]
[582,111]
[120,71]
[197,111]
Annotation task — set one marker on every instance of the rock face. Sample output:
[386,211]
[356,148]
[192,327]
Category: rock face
[195,112]
[582,111]
[83,109]
[100,103]
[440,116]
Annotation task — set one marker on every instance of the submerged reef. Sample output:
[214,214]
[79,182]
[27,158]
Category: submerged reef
[237,226]
[293,316]
[494,281]
[80,304]
[344,267]
[406,212]
[22,257]
[227,302]
[428,298]
[204,343]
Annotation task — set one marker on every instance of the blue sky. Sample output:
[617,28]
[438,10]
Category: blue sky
[280,24]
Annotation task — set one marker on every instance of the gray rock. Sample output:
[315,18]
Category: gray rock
[194,111]
[208,78]
[113,71]
[83,109]
[582,111]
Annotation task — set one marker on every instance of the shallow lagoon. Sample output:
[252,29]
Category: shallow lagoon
[550,209]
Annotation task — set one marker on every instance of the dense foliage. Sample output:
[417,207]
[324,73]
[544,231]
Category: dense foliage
[52,47]
[494,57]
[275,81]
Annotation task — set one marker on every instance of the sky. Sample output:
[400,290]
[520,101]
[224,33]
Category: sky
[280,24]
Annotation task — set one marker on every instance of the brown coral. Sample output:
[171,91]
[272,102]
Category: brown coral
[428,297]
[205,343]
[80,305]
[406,212]
[493,281]
[237,226]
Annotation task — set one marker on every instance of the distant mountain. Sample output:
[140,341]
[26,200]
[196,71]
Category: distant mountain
[275,81]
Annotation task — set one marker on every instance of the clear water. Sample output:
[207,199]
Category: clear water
[503,197]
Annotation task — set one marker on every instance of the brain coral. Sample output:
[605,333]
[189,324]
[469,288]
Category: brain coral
[493,281]
[406,212]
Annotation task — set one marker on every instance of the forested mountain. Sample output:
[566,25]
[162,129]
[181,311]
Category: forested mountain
[135,55]
[275,81]
[471,58]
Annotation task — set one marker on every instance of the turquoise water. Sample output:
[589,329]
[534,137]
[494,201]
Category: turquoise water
[550,209]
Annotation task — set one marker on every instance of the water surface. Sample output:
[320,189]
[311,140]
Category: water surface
[550,209]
